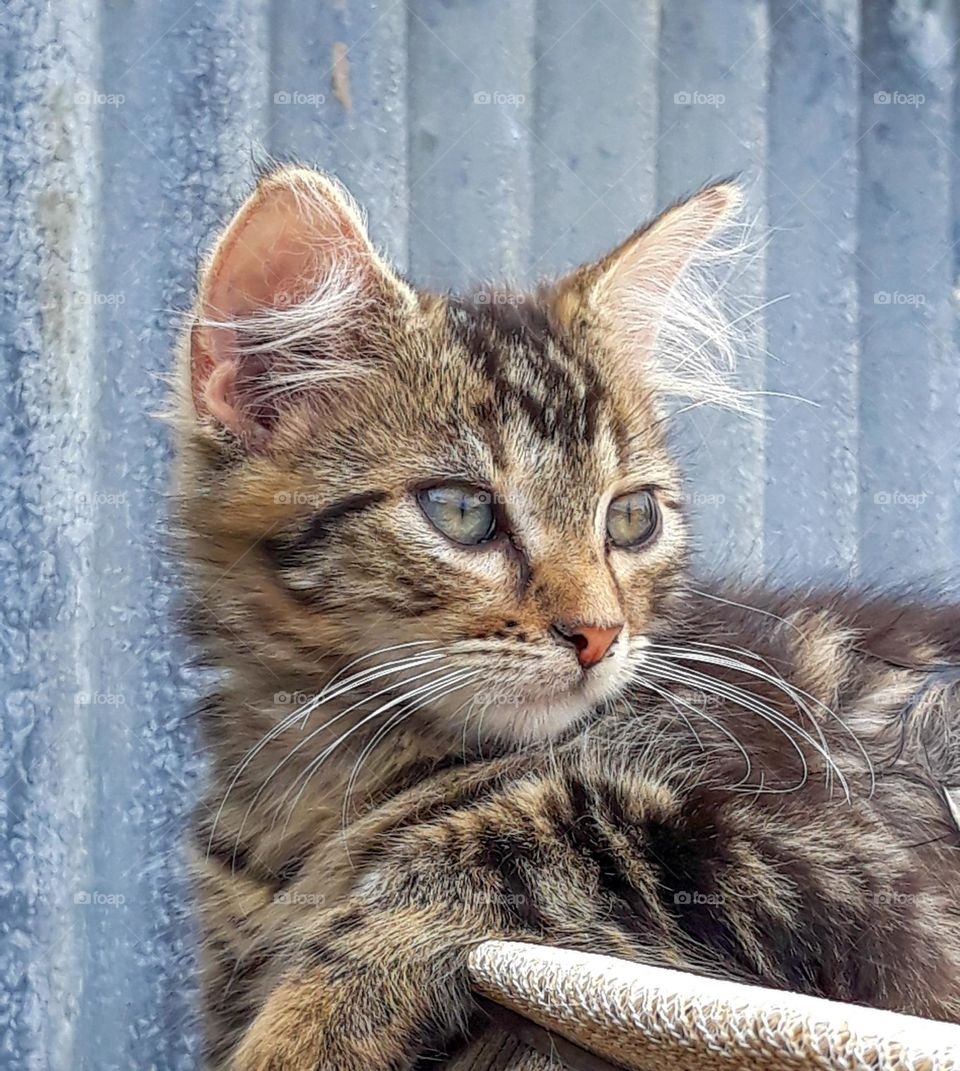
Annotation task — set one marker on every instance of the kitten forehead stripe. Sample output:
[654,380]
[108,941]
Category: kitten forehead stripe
[557,392]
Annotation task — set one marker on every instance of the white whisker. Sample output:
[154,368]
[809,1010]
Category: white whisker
[778,682]
[794,691]
[701,682]
[315,763]
[370,677]
[672,698]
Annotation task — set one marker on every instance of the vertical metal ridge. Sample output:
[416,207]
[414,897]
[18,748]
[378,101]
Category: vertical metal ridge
[594,128]
[713,97]
[812,189]
[906,283]
[470,103]
[951,386]
[338,102]
[177,157]
[51,175]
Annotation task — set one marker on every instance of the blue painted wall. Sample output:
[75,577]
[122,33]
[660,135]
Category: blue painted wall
[485,139]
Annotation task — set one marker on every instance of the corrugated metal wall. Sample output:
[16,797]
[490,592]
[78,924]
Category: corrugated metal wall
[486,139]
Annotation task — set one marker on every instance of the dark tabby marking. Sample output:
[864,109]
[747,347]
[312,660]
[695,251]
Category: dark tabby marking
[288,553]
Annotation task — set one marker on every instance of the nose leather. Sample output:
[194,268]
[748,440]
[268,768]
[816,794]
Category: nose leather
[591,641]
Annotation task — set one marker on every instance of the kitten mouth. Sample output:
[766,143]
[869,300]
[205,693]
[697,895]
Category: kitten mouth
[539,710]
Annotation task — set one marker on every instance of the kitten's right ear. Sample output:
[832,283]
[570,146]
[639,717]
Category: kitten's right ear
[283,293]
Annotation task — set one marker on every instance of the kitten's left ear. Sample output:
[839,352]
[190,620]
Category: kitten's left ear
[633,291]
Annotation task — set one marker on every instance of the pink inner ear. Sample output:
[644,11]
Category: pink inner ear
[272,257]
[281,242]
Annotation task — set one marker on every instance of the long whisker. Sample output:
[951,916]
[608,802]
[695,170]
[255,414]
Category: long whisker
[677,703]
[366,657]
[668,675]
[746,606]
[392,722]
[693,679]
[794,694]
[315,763]
[671,698]
[703,683]
[276,730]
[780,682]
[371,675]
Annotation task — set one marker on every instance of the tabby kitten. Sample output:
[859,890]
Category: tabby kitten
[438,553]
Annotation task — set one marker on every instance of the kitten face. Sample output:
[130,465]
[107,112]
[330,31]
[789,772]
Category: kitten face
[315,455]
[492,398]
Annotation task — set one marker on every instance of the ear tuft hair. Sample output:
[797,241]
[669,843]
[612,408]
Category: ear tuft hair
[659,297]
[286,301]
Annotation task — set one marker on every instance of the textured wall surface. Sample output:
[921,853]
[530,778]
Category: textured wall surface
[486,139]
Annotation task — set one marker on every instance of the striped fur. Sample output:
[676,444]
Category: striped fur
[404,759]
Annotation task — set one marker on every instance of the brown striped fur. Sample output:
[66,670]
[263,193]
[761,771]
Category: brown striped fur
[750,785]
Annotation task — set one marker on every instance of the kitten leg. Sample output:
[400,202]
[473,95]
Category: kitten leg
[371,987]
[380,979]
[794,891]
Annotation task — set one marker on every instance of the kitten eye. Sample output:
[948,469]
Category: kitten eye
[633,519]
[464,514]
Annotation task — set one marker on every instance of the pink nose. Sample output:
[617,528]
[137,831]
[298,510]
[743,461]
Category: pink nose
[591,641]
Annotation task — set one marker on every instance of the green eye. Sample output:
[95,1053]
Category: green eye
[633,519]
[464,514]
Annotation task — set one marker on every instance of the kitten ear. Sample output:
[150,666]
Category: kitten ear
[283,294]
[645,289]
